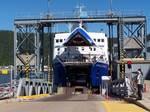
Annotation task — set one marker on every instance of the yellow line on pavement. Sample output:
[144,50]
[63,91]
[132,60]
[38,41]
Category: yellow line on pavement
[121,106]
[33,96]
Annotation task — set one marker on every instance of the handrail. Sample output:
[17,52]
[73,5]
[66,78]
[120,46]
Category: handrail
[8,90]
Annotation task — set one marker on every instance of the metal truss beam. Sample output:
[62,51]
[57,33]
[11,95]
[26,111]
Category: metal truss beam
[133,19]
[25,29]
[28,42]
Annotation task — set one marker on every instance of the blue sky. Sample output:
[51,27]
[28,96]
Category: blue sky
[10,9]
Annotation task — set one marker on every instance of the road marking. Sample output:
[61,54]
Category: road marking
[121,106]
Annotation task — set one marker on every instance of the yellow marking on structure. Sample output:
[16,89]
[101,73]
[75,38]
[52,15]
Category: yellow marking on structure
[27,67]
[33,97]
[122,64]
[121,106]
[5,71]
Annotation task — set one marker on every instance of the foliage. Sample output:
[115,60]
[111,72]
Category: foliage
[6,48]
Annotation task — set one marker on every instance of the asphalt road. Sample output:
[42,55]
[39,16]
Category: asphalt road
[58,103]
[70,103]
[72,97]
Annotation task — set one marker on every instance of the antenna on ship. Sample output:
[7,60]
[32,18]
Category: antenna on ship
[80,24]
[79,12]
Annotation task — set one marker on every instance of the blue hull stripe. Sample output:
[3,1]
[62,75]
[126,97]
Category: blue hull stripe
[98,70]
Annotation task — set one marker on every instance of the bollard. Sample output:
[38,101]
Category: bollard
[105,81]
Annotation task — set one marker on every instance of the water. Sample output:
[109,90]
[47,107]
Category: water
[4,78]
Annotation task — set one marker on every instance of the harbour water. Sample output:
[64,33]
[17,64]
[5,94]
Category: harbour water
[4,78]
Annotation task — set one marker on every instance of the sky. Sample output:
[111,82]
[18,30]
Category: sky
[11,9]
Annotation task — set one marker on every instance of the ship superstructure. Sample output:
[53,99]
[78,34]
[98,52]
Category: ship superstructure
[78,47]
[80,58]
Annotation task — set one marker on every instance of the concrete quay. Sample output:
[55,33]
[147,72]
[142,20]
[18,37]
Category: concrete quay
[145,102]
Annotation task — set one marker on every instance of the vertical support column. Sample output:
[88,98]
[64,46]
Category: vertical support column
[110,48]
[15,49]
[118,40]
[37,51]
[27,66]
[49,71]
[145,39]
[51,47]
[11,75]
[121,48]
[42,48]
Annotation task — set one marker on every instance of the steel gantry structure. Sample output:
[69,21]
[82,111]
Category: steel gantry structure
[29,38]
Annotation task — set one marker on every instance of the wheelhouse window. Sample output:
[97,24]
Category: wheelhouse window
[82,49]
[98,40]
[58,49]
[90,48]
[102,40]
[61,40]
[57,40]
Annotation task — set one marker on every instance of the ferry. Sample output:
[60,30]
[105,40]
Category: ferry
[80,58]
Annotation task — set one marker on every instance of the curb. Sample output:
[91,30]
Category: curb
[130,100]
[8,100]
[32,97]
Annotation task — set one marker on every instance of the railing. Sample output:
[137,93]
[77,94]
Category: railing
[124,87]
[81,59]
[119,88]
[32,75]
[8,90]
[131,85]
[33,87]
[70,14]
[77,60]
